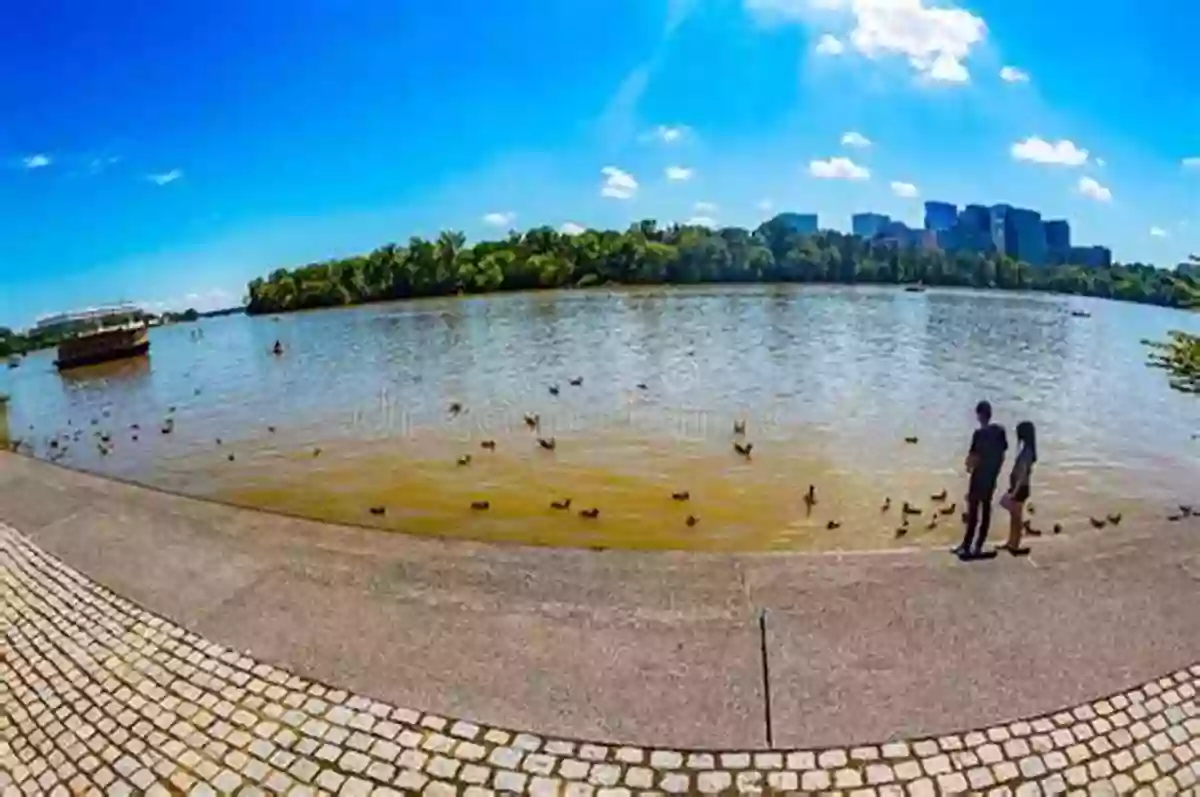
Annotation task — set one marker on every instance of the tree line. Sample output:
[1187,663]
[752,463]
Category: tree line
[647,254]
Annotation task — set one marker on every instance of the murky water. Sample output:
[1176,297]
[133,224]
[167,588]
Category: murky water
[830,382]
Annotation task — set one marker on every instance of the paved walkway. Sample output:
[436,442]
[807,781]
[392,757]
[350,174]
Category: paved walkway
[99,693]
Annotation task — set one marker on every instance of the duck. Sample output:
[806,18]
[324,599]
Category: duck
[317,452]
[490,445]
[277,349]
[547,443]
[1097,524]
[576,382]
[1186,509]
[378,510]
[743,449]
[563,504]
[168,428]
[231,457]
[833,524]
[1174,518]
[810,497]
[591,514]
[465,459]
[912,440]
[532,420]
[1114,518]
[692,520]
[271,429]
[642,386]
[938,496]
[901,531]
[948,510]
[909,509]
[887,504]
[1057,528]
[481,505]
[554,390]
[455,407]
[681,495]
[132,426]
[739,427]
[134,439]
[932,523]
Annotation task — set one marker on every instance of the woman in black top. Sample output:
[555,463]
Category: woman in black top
[1018,486]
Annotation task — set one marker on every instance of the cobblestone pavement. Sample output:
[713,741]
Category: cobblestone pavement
[99,696]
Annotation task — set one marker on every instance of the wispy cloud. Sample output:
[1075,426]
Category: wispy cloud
[905,190]
[679,173]
[98,165]
[1091,189]
[165,178]
[500,219]
[36,161]
[1158,232]
[1010,74]
[618,184]
[1058,153]
[667,134]
[829,44]
[702,221]
[856,140]
[838,169]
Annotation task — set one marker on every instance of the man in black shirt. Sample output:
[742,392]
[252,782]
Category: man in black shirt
[985,460]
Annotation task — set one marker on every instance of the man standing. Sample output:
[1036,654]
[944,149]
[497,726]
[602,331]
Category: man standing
[984,462]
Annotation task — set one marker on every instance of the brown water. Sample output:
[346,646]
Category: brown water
[829,380]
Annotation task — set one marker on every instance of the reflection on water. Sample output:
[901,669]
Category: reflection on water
[829,380]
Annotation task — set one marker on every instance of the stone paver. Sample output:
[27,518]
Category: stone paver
[98,696]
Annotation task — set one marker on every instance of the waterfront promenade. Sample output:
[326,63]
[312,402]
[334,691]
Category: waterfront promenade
[158,644]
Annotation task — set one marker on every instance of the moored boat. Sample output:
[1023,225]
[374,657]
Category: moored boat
[104,344]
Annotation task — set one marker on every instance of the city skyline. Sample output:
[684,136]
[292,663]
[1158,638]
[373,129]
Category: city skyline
[171,170]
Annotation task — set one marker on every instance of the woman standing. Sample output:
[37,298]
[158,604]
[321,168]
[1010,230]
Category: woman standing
[1018,487]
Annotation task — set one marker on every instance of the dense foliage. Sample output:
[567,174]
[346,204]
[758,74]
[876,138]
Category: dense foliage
[647,254]
[1180,356]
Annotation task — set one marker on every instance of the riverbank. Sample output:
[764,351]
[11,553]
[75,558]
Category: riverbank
[685,255]
[640,648]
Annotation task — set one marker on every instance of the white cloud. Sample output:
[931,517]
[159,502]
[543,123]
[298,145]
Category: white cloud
[936,41]
[1010,74]
[1158,232]
[1100,162]
[165,177]
[838,169]
[679,173]
[503,219]
[702,221]
[829,44]
[765,204]
[667,134]
[1191,163]
[705,207]
[1093,190]
[37,161]
[618,184]
[853,139]
[97,165]
[571,228]
[1038,150]
[906,190]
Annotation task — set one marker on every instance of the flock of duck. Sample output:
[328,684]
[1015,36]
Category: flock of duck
[58,446]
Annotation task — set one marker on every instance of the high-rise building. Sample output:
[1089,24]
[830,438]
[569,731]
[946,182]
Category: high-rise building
[1027,236]
[868,225]
[998,227]
[1058,240]
[801,223]
[975,218]
[1090,256]
[972,232]
[940,216]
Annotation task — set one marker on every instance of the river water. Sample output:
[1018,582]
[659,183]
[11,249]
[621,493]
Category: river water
[830,381]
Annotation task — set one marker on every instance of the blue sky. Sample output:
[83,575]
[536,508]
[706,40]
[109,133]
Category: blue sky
[169,152]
